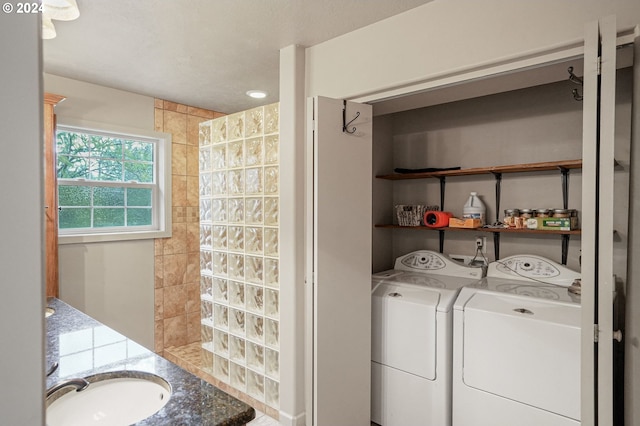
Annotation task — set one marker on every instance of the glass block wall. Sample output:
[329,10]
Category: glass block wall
[239,218]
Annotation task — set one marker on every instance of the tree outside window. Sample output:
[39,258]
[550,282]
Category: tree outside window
[106,182]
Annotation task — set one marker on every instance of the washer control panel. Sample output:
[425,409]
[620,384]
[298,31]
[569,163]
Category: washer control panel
[531,267]
[421,260]
[430,262]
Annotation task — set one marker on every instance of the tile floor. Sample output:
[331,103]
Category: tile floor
[263,420]
[189,358]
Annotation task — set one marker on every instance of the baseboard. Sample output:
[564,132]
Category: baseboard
[287,420]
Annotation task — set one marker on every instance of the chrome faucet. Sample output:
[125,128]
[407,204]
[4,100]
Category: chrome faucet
[51,369]
[80,384]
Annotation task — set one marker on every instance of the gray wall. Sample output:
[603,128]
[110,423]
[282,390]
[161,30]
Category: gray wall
[537,124]
[21,222]
[382,253]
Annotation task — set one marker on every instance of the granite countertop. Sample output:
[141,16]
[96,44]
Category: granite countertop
[83,346]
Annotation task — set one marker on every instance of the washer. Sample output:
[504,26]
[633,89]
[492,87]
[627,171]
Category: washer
[412,315]
[516,350]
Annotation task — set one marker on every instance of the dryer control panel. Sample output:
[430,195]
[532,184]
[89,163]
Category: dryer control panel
[534,268]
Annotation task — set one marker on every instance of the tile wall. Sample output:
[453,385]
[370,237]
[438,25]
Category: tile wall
[177,259]
[239,253]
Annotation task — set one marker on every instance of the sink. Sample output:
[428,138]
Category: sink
[114,398]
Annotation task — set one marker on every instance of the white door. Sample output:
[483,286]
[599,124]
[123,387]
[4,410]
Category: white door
[632,321]
[338,269]
[597,225]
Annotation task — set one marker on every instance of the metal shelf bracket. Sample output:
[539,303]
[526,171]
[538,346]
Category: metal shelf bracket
[498,177]
[565,186]
[443,181]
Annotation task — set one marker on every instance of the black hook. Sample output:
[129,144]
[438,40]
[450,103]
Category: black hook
[345,125]
[574,78]
[576,95]
[577,80]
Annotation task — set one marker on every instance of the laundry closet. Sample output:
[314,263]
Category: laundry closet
[518,148]
[537,123]
[517,137]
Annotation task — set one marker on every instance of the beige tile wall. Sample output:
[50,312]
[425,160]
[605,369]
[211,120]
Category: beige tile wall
[177,259]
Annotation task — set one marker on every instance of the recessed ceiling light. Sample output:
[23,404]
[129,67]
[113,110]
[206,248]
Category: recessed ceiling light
[258,94]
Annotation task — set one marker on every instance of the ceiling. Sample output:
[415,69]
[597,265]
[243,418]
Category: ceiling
[203,53]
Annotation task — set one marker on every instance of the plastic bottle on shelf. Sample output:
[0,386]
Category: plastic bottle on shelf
[474,209]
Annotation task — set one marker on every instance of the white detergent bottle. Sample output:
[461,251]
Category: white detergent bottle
[474,209]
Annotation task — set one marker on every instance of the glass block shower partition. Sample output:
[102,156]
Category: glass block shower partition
[239,257]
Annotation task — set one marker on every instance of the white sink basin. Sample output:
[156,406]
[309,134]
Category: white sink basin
[118,398]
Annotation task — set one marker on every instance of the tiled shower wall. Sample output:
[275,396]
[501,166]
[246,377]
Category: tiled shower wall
[239,254]
[177,271]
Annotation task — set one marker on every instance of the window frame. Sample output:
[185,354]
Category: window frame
[161,206]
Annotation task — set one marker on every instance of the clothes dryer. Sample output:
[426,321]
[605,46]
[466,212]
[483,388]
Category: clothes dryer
[516,350]
[412,316]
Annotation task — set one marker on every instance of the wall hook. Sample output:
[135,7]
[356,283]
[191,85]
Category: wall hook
[577,80]
[576,95]
[574,78]
[345,125]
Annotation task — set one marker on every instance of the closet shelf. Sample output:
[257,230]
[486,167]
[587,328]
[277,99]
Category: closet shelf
[490,230]
[513,168]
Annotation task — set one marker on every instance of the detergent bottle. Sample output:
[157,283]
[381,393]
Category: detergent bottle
[474,209]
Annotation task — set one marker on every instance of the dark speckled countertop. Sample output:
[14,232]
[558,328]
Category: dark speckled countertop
[82,346]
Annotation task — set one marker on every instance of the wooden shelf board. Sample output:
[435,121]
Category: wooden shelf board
[492,230]
[514,168]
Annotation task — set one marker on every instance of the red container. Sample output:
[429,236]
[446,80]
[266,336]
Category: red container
[437,219]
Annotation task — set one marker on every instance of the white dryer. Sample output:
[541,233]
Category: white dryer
[412,307]
[517,346]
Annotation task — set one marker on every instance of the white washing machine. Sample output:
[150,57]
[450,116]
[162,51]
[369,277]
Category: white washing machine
[412,318]
[516,350]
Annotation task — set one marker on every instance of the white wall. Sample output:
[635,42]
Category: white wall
[21,222]
[445,36]
[100,104]
[292,101]
[114,281]
[632,332]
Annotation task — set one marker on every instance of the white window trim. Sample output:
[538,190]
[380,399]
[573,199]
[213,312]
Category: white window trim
[164,184]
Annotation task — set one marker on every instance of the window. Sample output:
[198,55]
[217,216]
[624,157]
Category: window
[112,185]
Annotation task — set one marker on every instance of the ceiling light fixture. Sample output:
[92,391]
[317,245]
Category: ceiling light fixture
[61,10]
[48,30]
[257,94]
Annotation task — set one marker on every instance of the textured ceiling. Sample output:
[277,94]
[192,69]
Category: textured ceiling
[204,53]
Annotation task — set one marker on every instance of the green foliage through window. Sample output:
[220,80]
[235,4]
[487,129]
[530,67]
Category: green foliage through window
[101,158]
[104,181]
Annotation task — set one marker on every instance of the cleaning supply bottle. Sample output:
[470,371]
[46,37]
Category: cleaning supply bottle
[474,209]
